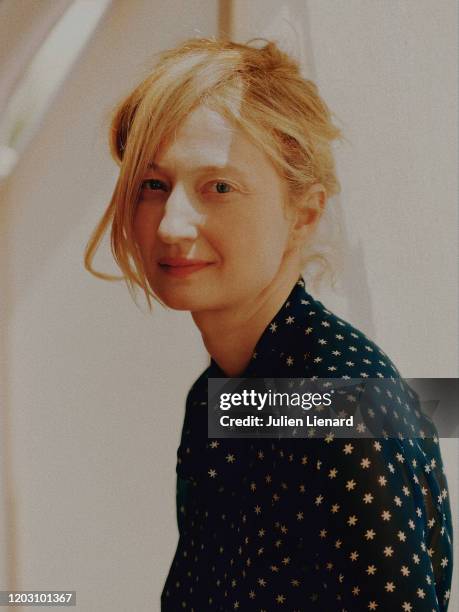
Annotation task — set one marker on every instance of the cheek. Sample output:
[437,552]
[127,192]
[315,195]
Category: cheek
[145,227]
[259,240]
[269,233]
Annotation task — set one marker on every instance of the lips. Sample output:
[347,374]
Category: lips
[181,267]
[179,262]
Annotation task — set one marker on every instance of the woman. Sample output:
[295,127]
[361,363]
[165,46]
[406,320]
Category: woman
[225,169]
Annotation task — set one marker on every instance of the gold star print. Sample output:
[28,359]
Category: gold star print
[212,473]
[230,458]
[350,484]
[370,534]
[372,605]
[388,551]
[261,582]
[371,570]
[390,587]
[299,516]
[367,498]
[214,444]
[352,520]
[294,582]
[280,599]
[356,590]
[252,594]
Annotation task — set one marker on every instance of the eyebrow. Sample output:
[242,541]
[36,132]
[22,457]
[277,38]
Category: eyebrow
[206,168]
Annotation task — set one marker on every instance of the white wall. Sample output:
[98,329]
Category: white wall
[92,441]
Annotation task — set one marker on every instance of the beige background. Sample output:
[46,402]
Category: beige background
[92,395]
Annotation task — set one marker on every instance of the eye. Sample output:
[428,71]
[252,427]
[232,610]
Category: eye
[154,185]
[222,187]
[219,187]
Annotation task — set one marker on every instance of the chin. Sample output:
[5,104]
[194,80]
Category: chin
[178,301]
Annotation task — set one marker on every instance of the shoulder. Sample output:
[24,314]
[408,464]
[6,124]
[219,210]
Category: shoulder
[332,347]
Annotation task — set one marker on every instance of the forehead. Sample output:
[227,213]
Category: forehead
[206,139]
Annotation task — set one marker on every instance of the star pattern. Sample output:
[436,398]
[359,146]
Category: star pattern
[317,523]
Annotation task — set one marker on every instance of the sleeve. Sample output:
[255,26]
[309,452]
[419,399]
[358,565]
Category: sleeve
[335,524]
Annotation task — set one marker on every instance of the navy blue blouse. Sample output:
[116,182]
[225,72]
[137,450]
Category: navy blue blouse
[326,524]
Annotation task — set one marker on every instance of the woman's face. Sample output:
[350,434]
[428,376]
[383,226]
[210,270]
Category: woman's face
[211,197]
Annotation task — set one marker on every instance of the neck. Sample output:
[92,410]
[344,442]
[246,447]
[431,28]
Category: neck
[230,335]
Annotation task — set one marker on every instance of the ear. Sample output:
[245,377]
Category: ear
[306,213]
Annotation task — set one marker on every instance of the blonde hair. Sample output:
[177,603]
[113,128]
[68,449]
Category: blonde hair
[260,90]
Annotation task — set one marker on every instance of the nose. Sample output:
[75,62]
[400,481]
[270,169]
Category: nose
[180,219]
